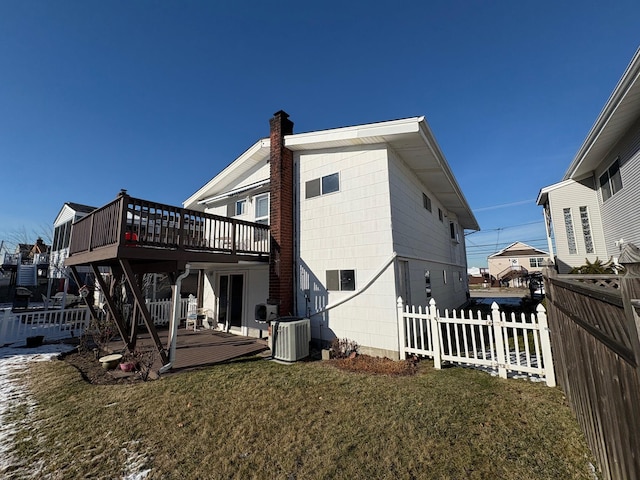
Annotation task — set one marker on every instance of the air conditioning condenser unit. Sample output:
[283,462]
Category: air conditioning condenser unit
[290,337]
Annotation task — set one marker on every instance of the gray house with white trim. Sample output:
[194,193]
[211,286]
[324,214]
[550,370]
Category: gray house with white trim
[595,209]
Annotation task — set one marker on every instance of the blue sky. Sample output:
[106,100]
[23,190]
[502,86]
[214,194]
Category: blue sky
[157,96]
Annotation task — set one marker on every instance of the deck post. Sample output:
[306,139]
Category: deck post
[113,311]
[142,308]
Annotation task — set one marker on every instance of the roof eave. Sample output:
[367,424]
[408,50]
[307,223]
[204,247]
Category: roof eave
[628,81]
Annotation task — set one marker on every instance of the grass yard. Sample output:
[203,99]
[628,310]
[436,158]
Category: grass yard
[259,419]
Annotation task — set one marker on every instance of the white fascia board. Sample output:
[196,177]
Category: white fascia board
[355,134]
[230,172]
[544,192]
[57,221]
[628,80]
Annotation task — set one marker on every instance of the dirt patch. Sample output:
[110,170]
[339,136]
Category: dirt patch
[377,366]
[91,370]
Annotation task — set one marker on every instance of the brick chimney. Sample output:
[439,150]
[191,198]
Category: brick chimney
[281,216]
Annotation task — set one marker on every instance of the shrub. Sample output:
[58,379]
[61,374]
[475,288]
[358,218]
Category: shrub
[343,348]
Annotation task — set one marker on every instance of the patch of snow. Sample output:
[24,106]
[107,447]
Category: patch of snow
[134,463]
[15,360]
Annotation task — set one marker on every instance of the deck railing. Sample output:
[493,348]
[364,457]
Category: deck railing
[133,222]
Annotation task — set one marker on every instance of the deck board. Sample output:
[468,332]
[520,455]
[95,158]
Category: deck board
[203,347]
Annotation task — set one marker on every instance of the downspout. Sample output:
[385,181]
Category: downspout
[175,319]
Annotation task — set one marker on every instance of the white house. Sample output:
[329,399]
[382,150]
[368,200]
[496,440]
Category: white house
[596,207]
[358,216]
[69,213]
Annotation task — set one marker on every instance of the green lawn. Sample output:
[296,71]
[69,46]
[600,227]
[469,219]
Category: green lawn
[259,419]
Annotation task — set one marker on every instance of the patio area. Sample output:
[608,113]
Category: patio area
[200,348]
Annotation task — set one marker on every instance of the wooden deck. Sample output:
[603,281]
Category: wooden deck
[203,347]
[155,237]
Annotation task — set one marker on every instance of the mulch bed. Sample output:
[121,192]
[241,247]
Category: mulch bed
[91,370]
[377,365]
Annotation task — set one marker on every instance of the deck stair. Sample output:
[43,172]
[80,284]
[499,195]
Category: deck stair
[513,271]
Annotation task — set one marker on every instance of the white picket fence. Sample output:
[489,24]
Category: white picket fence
[57,324]
[51,324]
[518,344]
[160,311]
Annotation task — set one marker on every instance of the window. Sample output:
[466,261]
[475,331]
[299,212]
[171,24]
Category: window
[426,202]
[427,282]
[536,262]
[586,229]
[568,225]
[262,209]
[322,186]
[262,214]
[341,280]
[453,231]
[241,207]
[440,216]
[444,276]
[610,181]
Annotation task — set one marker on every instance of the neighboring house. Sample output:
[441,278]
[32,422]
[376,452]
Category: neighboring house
[596,206]
[69,213]
[358,217]
[515,263]
[27,264]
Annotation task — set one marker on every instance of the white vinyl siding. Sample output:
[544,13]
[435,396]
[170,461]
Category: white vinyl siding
[427,241]
[347,231]
[573,195]
[620,213]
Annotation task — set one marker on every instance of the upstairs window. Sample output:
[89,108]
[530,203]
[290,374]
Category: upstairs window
[440,215]
[426,202]
[262,209]
[568,225]
[586,229]
[241,207]
[322,185]
[453,231]
[262,214]
[610,181]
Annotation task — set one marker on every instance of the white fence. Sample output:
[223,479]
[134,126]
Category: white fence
[58,324]
[160,311]
[519,343]
[51,324]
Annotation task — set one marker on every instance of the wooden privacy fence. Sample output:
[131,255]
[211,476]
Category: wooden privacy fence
[513,344]
[596,346]
[51,324]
